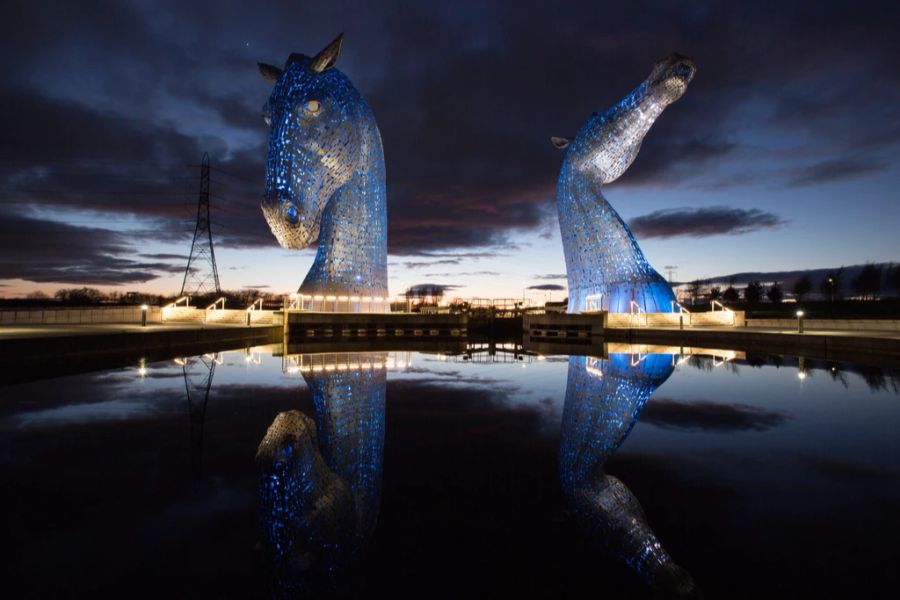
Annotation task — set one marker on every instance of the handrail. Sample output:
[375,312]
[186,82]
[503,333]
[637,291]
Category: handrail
[214,304]
[713,303]
[254,306]
[681,308]
[187,302]
[592,298]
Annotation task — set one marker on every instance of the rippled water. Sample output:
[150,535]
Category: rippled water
[243,474]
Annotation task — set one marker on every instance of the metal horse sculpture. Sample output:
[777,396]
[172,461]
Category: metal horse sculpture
[603,400]
[320,480]
[325,179]
[606,268]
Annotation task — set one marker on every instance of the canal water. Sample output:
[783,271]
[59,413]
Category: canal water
[645,473]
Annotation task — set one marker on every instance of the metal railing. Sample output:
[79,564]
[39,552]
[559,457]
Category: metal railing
[714,303]
[681,308]
[593,302]
[722,307]
[215,305]
[635,310]
[185,299]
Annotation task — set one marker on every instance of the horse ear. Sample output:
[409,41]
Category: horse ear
[327,57]
[560,143]
[269,72]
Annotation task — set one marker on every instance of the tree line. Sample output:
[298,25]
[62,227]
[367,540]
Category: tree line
[868,284]
[88,296]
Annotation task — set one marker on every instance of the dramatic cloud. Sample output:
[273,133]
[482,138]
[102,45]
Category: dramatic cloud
[478,218]
[430,289]
[46,251]
[701,222]
[424,264]
[551,276]
[464,274]
[833,170]
[709,416]
[166,256]
[105,109]
[548,287]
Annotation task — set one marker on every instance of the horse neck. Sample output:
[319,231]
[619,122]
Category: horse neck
[588,221]
[352,240]
[630,119]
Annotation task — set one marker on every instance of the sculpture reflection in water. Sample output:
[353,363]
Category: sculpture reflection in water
[320,482]
[603,400]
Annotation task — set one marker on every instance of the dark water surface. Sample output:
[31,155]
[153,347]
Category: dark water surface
[404,474]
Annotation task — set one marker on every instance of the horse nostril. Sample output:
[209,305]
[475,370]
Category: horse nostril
[685,69]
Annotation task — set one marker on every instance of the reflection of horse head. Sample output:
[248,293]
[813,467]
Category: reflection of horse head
[603,400]
[321,480]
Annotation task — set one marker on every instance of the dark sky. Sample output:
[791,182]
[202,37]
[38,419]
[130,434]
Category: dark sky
[781,154]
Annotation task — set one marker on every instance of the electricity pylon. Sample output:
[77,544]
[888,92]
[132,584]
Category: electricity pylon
[201,275]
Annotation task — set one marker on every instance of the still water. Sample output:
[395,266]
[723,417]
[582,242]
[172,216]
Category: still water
[640,474]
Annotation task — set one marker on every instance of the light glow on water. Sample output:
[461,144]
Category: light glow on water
[653,464]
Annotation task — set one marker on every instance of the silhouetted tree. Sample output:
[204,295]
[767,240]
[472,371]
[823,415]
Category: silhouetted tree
[893,279]
[715,292]
[753,292]
[868,283]
[37,295]
[802,287]
[831,284]
[774,293]
[730,294]
[694,289]
[83,296]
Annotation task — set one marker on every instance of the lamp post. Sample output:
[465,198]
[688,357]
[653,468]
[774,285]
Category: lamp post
[144,308]
[800,321]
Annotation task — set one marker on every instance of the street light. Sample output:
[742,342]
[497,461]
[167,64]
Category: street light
[800,321]
[144,308]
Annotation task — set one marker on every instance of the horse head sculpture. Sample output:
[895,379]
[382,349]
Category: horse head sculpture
[325,178]
[605,266]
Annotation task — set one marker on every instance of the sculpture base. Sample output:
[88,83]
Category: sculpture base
[649,296]
[341,304]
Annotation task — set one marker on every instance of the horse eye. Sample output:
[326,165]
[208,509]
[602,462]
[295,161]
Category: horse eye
[312,106]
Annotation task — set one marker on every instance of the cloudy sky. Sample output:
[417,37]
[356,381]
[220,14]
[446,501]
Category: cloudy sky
[780,156]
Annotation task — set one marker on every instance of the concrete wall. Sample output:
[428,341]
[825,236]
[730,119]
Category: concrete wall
[828,324]
[220,316]
[838,347]
[26,359]
[239,316]
[325,324]
[64,316]
[718,318]
[343,304]
[564,326]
